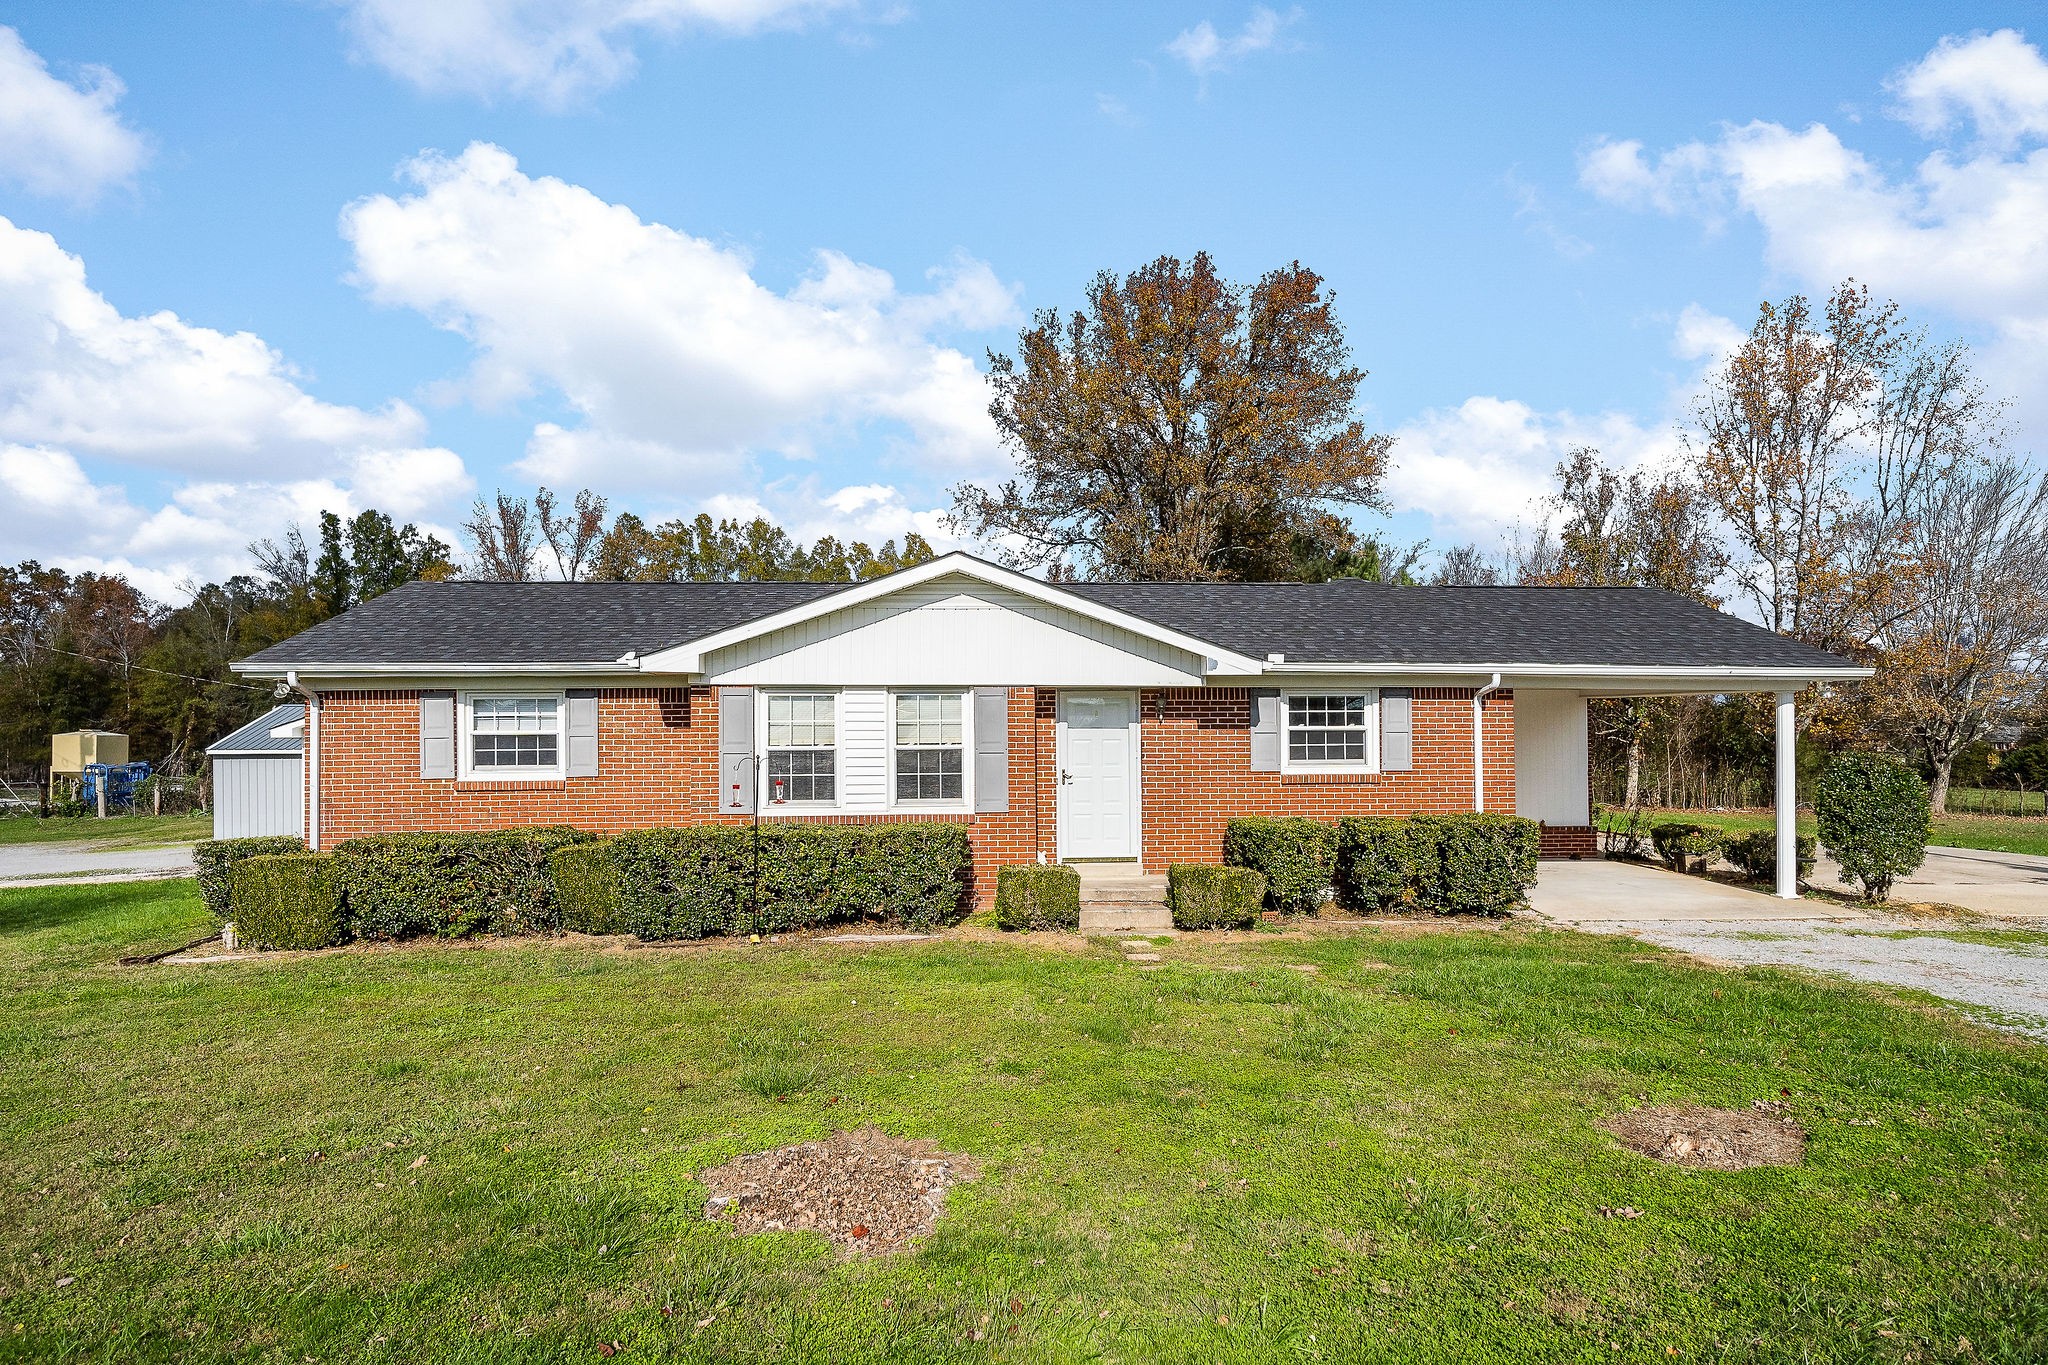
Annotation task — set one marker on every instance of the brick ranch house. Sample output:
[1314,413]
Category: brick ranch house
[1112,722]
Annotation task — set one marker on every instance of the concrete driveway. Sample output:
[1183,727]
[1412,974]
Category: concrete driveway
[1999,975]
[2008,885]
[73,864]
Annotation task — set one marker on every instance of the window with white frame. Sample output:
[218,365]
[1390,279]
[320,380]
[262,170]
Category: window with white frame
[514,736]
[1333,730]
[930,744]
[802,748]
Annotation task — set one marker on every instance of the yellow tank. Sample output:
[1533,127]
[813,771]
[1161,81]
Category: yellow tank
[70,752]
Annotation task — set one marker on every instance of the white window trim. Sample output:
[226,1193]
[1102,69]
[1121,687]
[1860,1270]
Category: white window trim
[966,801]
[1289,764]
[465,737]
[772,809]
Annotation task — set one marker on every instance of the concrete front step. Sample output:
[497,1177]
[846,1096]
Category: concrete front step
[1123,917]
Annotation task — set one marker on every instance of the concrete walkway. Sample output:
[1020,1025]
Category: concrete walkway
[2008,885]
[77,864]
[2005,981]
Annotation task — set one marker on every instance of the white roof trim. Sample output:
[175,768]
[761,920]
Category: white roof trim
[689,656]
[415,670]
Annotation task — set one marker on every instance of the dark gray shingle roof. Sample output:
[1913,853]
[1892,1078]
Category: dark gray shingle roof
[1346,621]
[255,737]
[531,623]
[1351,620]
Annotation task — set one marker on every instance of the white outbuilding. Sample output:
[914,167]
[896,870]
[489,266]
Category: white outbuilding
[259,776]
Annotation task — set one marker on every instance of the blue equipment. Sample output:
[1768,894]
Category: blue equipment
[120,779]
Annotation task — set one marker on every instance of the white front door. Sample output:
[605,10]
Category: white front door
[1098,786]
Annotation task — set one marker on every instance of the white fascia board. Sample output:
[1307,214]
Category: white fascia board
[1592,677]
[689,657]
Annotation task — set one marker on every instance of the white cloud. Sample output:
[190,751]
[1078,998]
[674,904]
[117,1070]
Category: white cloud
[1205,52]
[1996,82]
[552,51]
[58,139]
[1484,465]
[682,366]
[90,398]
[1705,336]
[1964,233]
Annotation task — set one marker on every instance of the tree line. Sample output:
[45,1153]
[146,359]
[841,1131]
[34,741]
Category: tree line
[1847,479]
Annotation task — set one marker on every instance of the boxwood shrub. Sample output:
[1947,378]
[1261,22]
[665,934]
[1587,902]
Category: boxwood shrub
[1756,854]
[704,880]
[1296,855]
[1379,864]
[1484,863]
[1874,818]
[1202,896]
[288,900]
[454,885]
[1460,864]
[586,886]
[1038,896]
[215,857]
[1684,847]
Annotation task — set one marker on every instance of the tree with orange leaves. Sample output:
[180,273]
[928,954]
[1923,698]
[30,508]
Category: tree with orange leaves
[1181,426]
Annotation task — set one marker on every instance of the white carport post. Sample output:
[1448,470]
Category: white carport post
[1788,799]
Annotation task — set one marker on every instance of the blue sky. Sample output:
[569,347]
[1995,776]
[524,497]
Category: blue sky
[750,253]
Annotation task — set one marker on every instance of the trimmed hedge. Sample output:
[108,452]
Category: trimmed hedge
[288,900]
[1380,864]
[1756,854]
[707,880]
[1038,896]
[454,885]
[586,885]
[216,858]
[1462,864]
[1684,847]
[1874,818]
[1296,855]
[1202,896]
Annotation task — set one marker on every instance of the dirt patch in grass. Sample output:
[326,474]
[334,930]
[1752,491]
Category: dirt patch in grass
[868,1192]
[1719,1139]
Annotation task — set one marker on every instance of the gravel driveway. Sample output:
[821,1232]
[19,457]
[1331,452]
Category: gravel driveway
[71,864]
[1998,971]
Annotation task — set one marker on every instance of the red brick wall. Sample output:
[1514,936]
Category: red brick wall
[658,761]
[1569,841]
[1197,773]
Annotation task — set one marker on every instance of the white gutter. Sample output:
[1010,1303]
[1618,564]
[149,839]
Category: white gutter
[1479,743]
[416,670]
[1690,672]
[291,680]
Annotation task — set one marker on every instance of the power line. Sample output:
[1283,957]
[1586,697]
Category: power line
[160,672]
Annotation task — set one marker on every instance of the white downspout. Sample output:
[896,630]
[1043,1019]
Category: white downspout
[291,680]
[1479,743]
[1787,813]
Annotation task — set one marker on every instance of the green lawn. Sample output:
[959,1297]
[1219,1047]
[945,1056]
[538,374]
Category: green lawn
[1394,1159]
[116,831]
[1998,834]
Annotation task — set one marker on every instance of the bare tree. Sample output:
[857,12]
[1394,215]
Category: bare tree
[504,539]
[1969,654]
[289,566]
[1466,566]
[573,537]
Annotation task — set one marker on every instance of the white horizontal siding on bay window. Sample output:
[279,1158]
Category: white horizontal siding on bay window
[864,749]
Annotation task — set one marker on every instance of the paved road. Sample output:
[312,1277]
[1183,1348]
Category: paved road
[71,864]
[2007,982]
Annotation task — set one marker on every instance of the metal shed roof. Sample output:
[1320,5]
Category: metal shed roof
[256,736]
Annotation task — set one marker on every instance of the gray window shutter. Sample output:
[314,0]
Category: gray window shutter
[991,748]
[1397,729]
[737,780]
[1265,730]
[580,730]
[437,734]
